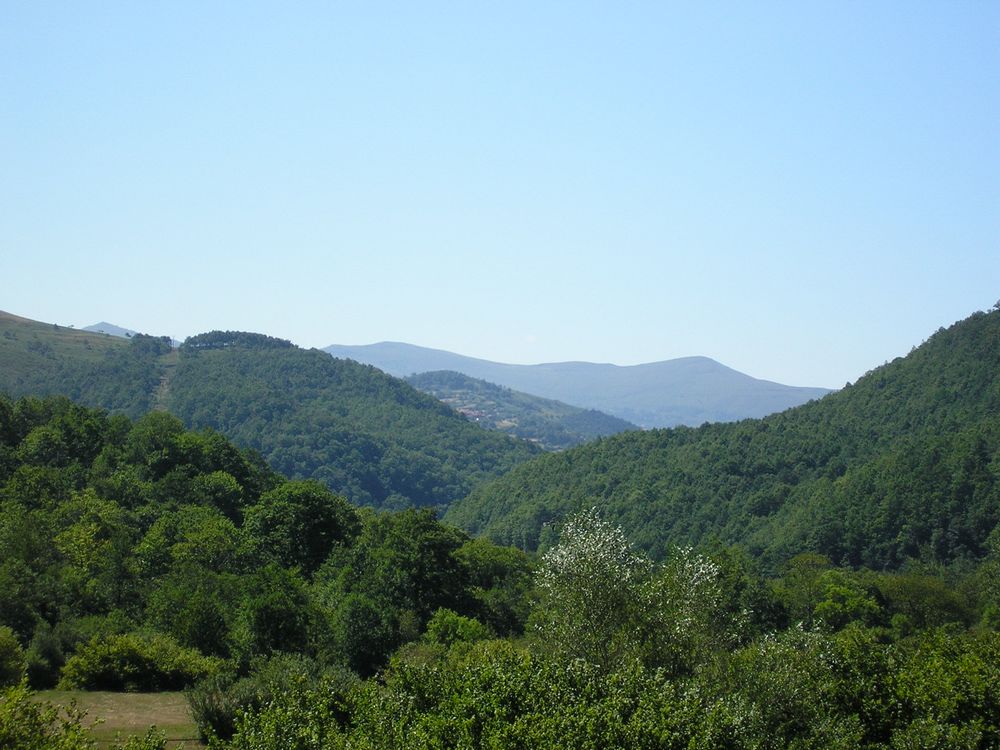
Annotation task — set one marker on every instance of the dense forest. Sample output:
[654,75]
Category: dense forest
[362,433]
[144,556]
[904,464]
[824,578]
[552,425]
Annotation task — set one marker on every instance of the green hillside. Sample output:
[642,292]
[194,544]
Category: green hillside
[550,424]
[363,433]
[903,464]
[34,355]
[142,557]
[358,430]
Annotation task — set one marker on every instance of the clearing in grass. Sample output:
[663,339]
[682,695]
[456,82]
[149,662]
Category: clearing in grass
[131,714]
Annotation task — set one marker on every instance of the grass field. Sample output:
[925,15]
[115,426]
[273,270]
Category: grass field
[132,714]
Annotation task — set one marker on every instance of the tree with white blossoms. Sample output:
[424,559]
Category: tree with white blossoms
[603,602]
[588,583]
[685,613]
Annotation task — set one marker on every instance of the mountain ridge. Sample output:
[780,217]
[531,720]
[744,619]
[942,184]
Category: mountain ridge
[686,390]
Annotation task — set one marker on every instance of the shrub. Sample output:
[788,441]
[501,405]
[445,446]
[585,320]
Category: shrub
[12,662]
[448,627]
[304,716]
[135,662]
[218,701]
[27,724]
[50,645]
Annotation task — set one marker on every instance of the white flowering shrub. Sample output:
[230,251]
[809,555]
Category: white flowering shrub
[588,585]
[685,616]
[591,550]
[604,603]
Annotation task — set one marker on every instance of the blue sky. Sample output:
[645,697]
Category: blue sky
[799,190]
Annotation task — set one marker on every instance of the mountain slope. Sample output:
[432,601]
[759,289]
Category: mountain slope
[94,368]
[363,433]
[28,347]
[551,424]
[905,463]
[690,390]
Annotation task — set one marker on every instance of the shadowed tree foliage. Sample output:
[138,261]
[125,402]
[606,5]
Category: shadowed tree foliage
[299,523]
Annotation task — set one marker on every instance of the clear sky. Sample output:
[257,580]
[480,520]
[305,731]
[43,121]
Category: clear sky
[799,190]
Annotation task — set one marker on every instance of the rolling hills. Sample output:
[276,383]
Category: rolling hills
[550,424]
[365,434]
[903,464]
[686,391]
[362,432]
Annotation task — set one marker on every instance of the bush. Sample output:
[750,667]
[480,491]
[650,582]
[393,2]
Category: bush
[136,662]
[12,662]
[448,627]
[304,716]
[27,724]
[50,645]
[217,702]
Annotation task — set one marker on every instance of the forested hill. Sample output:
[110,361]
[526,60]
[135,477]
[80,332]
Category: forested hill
[903,464]
[351,426]
[141,557]
[363,433]
[550,424]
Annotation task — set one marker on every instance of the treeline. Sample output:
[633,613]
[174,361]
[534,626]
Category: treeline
[226,339]
[903,464]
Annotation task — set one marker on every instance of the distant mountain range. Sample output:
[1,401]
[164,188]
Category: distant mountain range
[111,329]
[686,391]
[550,424]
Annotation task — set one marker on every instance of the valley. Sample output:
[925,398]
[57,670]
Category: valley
[305,543]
